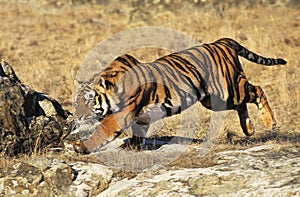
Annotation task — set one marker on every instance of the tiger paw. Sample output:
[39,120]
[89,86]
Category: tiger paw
[268,119]
[80,147]
[249,127]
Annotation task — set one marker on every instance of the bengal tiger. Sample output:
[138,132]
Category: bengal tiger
[129,93]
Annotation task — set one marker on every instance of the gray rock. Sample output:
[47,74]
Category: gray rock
[59,176]
[54,177]
[91,179]
[22,178]
[268,170]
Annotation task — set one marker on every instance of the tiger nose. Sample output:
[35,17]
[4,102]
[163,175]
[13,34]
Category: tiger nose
[99,111]
[81,113]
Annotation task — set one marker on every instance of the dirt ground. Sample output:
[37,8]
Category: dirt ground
[47,41]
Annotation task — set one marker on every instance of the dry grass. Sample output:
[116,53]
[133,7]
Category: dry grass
[46,42]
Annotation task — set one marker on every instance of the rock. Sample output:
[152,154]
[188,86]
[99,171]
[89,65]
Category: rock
[59,177]
[266,170]
[54,177]
[30,121]
[22,178]
[12,119]
[91,179]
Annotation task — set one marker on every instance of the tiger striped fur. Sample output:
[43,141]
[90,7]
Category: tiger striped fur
[133,94]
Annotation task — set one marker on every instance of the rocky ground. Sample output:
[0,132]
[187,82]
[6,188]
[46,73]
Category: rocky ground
[265,170]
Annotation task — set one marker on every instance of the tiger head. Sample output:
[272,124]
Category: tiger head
[99,97]
[93,99]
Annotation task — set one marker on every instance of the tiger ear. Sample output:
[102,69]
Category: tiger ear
[77,83]
[99,80]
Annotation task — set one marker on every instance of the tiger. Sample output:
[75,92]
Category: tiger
[129,93]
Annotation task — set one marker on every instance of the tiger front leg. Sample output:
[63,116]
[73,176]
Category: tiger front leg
[108,130]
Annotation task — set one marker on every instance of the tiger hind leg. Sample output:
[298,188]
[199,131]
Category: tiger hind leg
[266,113]
[258,97]
[245,121]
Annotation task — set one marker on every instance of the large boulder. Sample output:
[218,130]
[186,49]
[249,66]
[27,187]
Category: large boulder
[30,121]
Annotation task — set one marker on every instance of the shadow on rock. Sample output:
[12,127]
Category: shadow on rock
[156,142]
